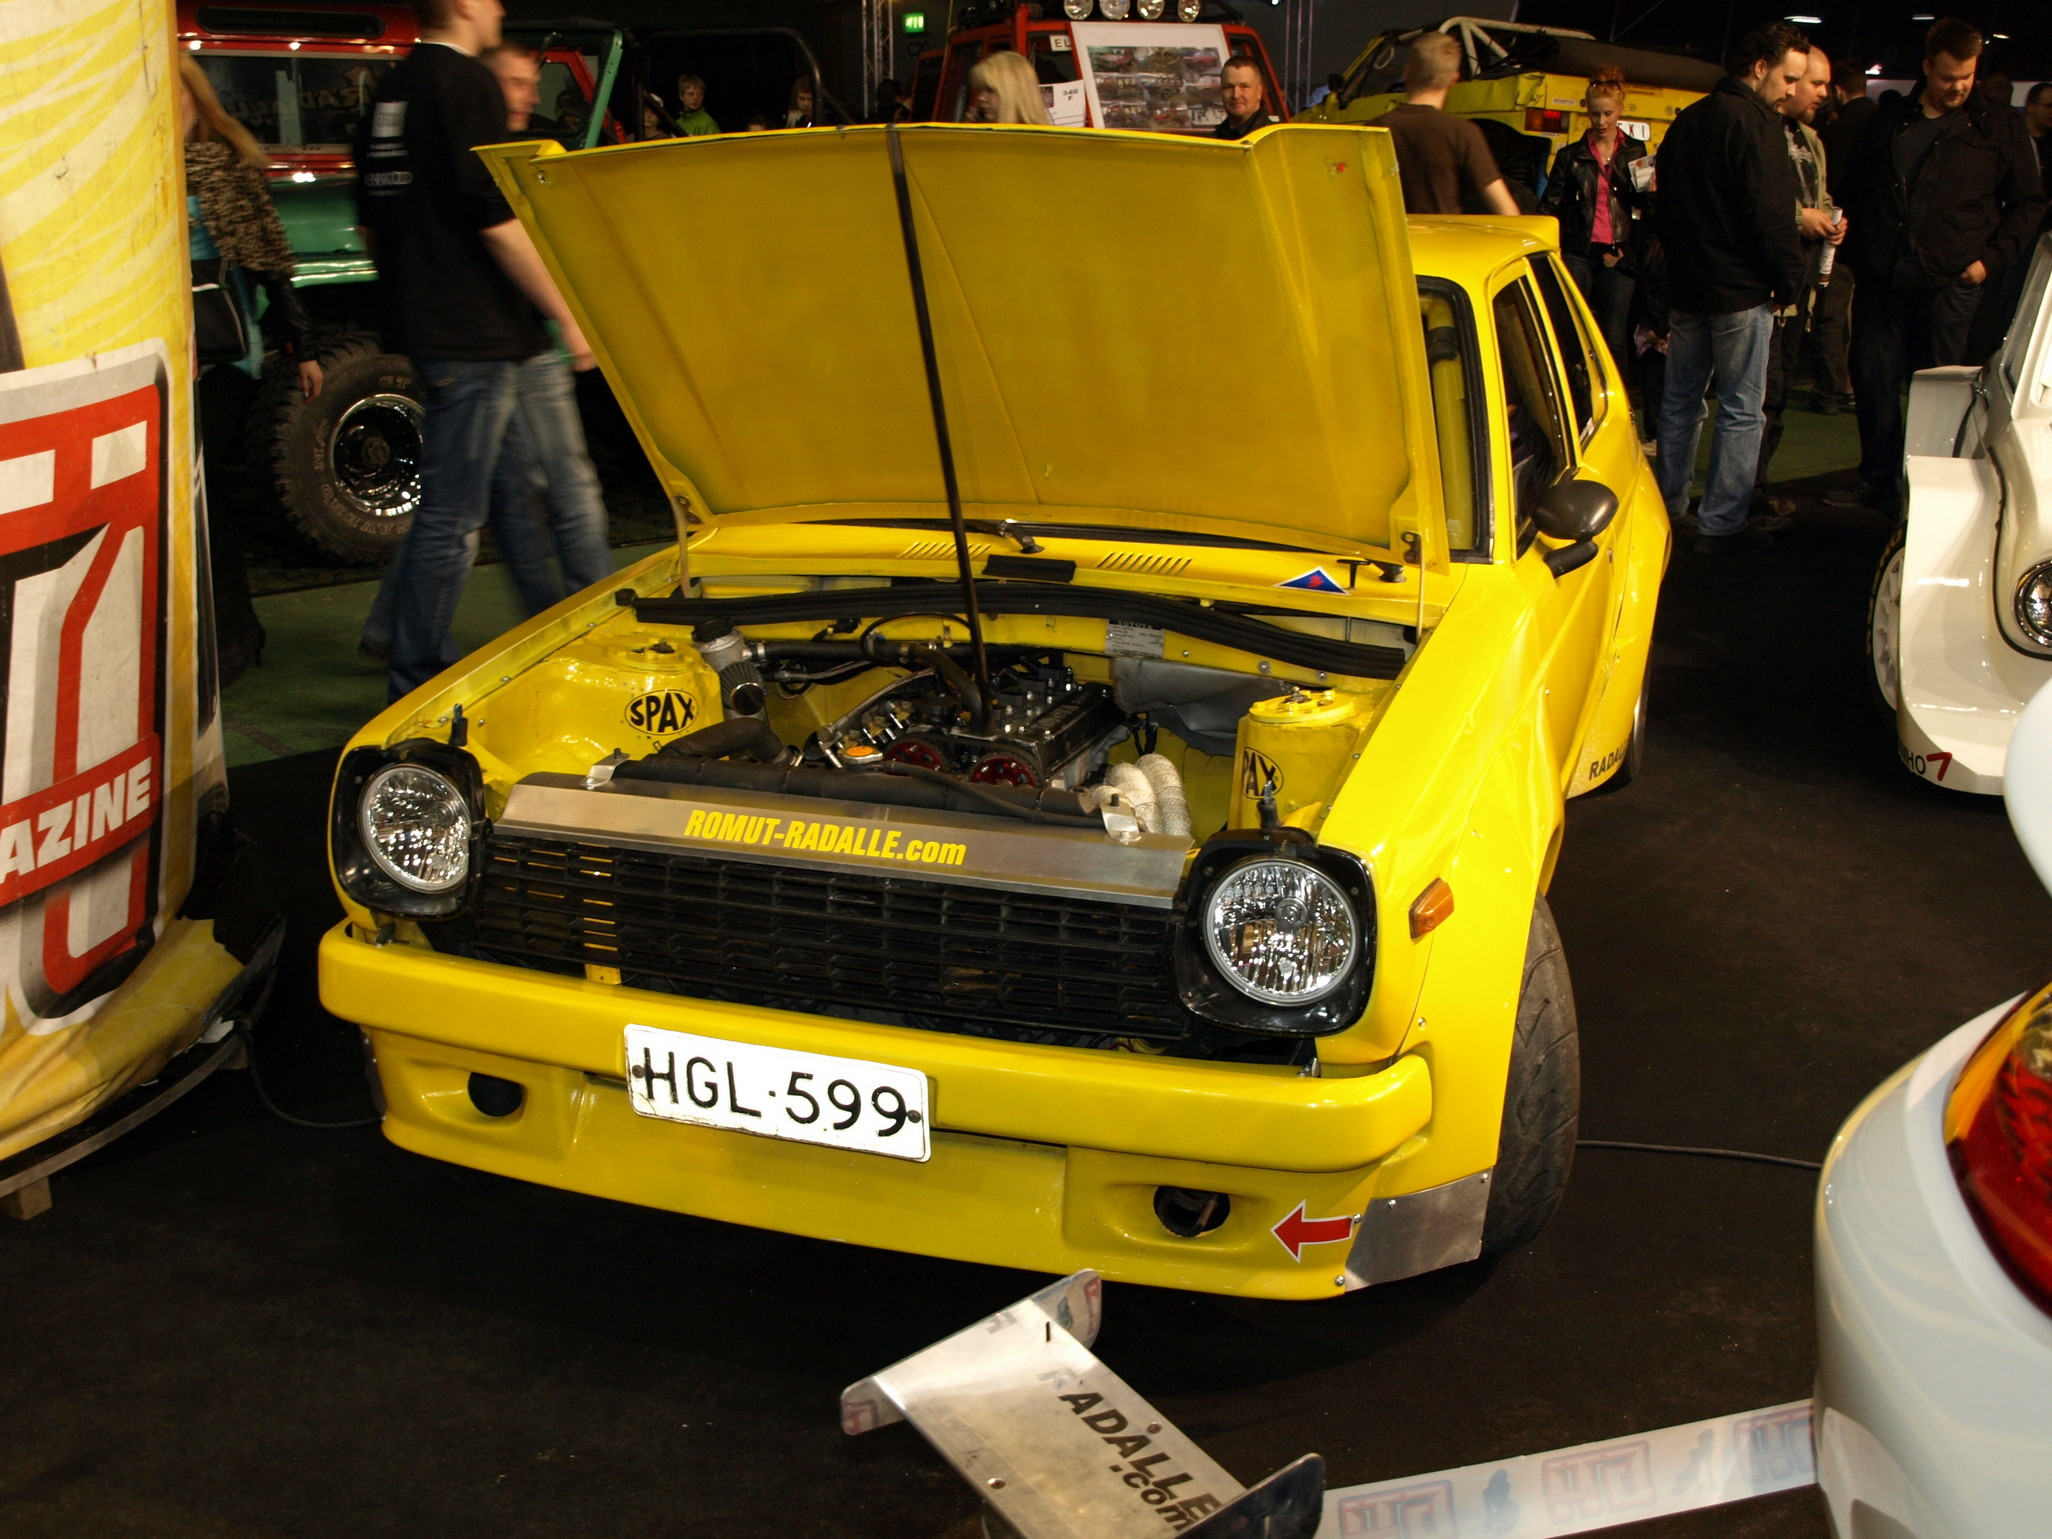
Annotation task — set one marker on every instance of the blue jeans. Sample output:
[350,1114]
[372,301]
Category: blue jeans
[538,447]
[1730,350]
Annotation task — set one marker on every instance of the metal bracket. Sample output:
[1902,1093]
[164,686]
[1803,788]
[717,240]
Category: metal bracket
[1059,1446]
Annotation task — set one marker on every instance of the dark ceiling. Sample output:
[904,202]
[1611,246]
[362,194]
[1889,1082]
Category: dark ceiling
[1889,35]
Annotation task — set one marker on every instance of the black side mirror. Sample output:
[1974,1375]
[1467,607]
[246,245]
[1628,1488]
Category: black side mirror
[1576,511]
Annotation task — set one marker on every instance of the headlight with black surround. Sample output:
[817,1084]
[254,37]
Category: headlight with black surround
[2034,603]
[405,827]
[1278,935]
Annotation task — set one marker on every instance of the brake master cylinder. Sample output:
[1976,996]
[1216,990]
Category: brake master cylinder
[1300,745]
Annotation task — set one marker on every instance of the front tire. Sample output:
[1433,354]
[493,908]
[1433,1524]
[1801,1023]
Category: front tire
[1884,628]
[346,465]
[1542,1103]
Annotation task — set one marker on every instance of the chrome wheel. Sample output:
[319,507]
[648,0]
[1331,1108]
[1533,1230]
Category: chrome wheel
[375,453]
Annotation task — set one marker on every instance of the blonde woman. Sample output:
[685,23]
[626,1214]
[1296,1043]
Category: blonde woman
[1003,89]
[1591,192]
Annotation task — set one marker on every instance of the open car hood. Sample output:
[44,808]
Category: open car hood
[1132,329]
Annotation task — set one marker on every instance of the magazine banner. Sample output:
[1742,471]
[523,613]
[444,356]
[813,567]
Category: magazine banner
[107,747]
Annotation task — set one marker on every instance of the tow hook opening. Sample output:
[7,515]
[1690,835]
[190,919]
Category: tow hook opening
[1187,1214]
[495,1097]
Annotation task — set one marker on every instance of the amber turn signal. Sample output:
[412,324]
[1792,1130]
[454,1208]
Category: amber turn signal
[1433,908]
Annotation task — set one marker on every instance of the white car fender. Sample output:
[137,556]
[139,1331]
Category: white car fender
[1961,685]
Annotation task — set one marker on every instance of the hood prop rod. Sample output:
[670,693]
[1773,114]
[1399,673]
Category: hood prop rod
[917,273]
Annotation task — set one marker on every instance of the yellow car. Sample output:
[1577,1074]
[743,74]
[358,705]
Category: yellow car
[1168,897]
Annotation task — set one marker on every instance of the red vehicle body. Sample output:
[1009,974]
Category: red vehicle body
[940,88]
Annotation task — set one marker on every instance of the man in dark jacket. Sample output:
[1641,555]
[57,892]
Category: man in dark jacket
[1943,196]
[1849,111]
[1727,213]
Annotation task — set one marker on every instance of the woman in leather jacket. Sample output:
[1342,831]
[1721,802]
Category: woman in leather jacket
[232,218]
[1590,192]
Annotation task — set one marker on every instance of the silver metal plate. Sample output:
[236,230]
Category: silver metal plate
[1059,1444]
[1419,1232]
[841,835]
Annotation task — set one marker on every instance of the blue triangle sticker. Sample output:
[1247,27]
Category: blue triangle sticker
[1317,580]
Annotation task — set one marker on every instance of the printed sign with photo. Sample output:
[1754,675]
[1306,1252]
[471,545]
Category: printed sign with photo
[1158,78]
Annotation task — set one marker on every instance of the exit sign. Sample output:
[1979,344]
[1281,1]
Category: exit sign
[915,21]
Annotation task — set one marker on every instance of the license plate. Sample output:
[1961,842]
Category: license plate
[774,1092]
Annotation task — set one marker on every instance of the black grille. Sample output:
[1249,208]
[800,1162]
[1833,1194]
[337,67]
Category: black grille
[780,935]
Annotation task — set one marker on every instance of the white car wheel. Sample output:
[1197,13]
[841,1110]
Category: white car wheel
[1884,627]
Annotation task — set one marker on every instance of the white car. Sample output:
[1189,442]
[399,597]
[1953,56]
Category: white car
[1934,1264]
[1959,626]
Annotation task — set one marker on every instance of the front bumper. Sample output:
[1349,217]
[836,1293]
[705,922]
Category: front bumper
[1934,1376]
[1043,1158]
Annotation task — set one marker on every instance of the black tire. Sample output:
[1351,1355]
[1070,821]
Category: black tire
[1884,628]
[1543,1100]
[1634,760]
[345,466]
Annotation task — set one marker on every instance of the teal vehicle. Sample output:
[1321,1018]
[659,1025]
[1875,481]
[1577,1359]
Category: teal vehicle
[343,470]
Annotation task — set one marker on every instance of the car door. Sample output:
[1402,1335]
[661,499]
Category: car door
[1540,443]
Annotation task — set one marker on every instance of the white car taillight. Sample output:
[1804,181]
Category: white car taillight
[1998,1130]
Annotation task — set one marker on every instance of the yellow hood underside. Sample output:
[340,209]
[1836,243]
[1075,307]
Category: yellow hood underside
[1131,328]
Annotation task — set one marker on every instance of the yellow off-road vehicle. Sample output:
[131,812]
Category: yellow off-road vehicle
[1524,86]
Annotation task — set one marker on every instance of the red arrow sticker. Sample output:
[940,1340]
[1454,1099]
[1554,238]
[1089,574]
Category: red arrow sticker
[1297,1231]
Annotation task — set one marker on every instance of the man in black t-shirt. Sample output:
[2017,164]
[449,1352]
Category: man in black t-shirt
[465,294]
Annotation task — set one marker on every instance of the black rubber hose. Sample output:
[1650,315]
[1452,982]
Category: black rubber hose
[745,737]
[904,786]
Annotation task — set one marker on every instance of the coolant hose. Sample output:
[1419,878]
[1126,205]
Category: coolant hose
[1172,806]
[738,737]
[1135,791]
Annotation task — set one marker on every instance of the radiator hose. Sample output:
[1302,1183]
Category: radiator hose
[738,737]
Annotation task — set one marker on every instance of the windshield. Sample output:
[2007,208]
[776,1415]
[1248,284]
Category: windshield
[297,101]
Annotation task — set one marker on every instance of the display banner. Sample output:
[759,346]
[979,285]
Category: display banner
[1590,1487]
[109,746]
[1163,77]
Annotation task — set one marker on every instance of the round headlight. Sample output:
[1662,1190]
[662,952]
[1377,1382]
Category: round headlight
[1281,931]
[1076,10]
[1114,10]
[2034,603]
[1150,10]
[416,827]
[1189,10]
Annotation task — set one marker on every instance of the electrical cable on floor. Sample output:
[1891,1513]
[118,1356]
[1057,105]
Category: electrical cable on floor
[1713,1154]
[256,1083]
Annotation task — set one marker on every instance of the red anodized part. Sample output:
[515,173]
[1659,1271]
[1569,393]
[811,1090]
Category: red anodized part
[1999,1134]
[1001,769]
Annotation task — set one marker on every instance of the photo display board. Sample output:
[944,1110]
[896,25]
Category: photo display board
[1162,77]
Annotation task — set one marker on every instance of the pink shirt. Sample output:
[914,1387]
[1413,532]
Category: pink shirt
[1600,233]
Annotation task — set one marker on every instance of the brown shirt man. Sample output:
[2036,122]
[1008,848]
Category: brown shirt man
[1443,159]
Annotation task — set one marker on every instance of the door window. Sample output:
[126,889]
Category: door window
[1458,414]
[1533,420]
[1584,374]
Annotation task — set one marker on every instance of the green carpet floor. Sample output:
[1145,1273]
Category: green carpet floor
[315,688]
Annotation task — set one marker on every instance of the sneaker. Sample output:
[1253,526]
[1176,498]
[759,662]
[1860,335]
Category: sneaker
[1749,541]
[1769,522]
[1862,496]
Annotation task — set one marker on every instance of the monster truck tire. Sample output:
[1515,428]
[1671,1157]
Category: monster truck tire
[346,465]
[1542,1101]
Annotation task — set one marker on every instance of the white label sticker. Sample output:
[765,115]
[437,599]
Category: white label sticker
[1060,43]
[1633,128]
[388,120]
[1132,640]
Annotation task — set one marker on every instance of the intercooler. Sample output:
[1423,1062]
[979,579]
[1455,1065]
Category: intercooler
[1049,934]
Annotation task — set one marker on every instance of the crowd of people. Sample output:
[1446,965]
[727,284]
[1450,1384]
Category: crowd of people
[1787,216]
